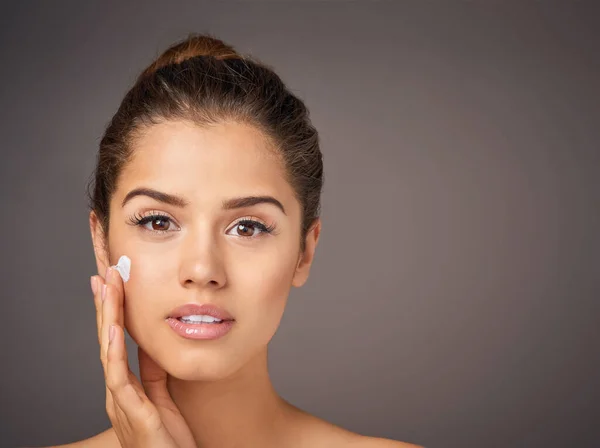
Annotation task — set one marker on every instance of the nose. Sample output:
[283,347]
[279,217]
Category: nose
[202,262]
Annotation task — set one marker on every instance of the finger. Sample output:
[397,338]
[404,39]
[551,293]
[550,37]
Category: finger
[114,279]
[97,283]
[110,314]
[118,379]
[111,299]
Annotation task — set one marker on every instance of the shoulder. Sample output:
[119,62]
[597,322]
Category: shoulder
[377,442]
[325,434]
[105,439]
[353,440]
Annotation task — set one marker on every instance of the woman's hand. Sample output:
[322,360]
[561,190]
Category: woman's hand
[142,414]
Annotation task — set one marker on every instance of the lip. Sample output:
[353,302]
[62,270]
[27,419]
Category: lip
[200,331]
[206,309]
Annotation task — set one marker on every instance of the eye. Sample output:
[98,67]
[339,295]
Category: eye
[249,228]
[155,222]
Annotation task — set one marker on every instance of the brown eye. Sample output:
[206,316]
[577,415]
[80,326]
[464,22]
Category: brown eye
[248,228]
[160,224]
[245,229]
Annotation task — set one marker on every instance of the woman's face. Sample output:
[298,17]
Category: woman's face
[197,252]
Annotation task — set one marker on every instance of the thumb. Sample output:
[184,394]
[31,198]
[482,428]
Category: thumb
[154,379]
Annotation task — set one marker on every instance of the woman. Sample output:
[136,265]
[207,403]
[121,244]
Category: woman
[209,179]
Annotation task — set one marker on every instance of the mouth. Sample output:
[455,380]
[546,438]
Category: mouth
[197,319]
[199,314]
[200,321]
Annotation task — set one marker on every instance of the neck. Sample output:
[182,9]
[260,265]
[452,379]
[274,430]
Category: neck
[232,411]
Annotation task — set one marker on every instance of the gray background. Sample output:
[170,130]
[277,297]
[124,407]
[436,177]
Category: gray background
[454,297]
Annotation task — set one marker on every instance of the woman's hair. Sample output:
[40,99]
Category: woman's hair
[205,81]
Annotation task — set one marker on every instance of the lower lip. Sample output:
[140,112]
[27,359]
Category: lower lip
[200,331]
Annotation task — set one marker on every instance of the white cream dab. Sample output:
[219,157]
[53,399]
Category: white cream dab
[124,267]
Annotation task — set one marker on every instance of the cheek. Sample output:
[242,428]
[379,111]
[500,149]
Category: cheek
[145,300]
[262,290]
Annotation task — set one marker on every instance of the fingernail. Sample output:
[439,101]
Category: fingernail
[94,285]
[103,291]
[111,333]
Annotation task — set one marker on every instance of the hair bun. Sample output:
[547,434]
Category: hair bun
[194,45]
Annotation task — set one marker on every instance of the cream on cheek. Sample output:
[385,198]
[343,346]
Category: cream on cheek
[123,267]
[146,293]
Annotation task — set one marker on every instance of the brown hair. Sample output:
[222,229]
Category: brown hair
[204,80]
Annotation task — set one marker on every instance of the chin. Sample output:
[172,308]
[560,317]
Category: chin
[195,360]
[200,368]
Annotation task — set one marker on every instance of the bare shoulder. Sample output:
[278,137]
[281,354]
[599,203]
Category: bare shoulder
[353,440]
[326,434]
[105,439]
[378,442]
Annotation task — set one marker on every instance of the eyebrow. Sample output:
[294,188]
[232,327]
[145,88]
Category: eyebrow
[178,201]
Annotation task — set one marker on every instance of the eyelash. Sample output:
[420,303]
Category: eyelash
[140,221]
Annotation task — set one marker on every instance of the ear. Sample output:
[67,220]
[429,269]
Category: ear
[98,241]
[306,258]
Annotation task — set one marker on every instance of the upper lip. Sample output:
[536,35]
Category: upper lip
[206,309]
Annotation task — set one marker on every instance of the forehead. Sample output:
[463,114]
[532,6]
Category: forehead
[205,163]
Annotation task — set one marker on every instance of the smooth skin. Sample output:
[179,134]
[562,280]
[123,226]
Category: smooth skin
[202,393]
